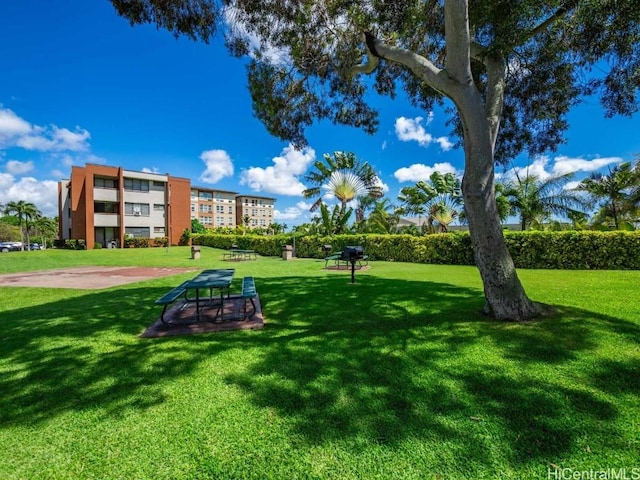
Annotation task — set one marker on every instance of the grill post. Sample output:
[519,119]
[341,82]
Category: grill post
[352,254]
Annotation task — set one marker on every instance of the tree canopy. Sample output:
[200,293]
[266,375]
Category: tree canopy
[511,71]
[304,56]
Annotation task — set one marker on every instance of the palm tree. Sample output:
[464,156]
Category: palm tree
[277,228]
[343,176]
[535,199]
[616,193]
[24,212]
[382,219]
[48,229]
[440,198]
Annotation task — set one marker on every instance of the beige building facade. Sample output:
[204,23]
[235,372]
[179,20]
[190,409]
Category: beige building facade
[259,211]
[213,208]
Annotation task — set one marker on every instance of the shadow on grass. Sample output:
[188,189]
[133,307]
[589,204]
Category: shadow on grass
[382,360]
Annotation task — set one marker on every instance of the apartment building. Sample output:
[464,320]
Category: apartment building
[257,210]
[213,208]
[103,204]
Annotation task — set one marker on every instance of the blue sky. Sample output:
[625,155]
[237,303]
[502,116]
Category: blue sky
[79,84]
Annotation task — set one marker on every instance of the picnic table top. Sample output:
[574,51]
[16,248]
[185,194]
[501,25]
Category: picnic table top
[214,278]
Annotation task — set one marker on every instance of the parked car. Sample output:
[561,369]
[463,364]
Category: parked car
[35,246]
[10,247]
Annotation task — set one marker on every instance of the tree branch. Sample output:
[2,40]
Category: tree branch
[496,73]
[458,40]
[565,8]
[419,65]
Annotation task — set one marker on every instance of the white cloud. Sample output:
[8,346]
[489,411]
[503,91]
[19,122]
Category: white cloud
[290,213]
[219,165]
[419,171]
[565,164]
[62,145]
[543,167]
[17,132]
[538,169]
[298,211]
[283,177]
[304,205]
[150,170]
[43,194]
[411,129]
[16,167]
[383,186]
[12,126]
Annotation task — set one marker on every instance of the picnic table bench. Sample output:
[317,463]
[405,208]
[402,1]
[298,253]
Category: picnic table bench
[170,297]
[248,293]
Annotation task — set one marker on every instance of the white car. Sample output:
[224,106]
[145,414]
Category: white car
[10,247]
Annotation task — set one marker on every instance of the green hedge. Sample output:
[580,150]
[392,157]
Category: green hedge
[561,250]
[575,250]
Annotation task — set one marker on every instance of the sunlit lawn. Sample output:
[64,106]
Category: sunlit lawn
[396,376]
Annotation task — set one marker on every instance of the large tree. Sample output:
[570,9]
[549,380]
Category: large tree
[510,67]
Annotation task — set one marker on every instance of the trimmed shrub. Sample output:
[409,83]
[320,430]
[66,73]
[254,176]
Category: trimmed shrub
[531,249]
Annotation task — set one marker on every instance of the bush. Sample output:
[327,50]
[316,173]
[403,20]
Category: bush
[97,246]
[531,249]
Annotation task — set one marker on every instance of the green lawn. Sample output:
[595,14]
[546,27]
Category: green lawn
[396,376]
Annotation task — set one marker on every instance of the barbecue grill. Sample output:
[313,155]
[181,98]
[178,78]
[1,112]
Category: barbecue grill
[352,254]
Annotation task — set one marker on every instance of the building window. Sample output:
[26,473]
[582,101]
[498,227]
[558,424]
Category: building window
[136,209]
[206,196]
[101,182]
[206,208]
[136,184]
[206,220]
[158,207]
[105,207]
[230,209]
[158,186]
[158,230]
[137,232]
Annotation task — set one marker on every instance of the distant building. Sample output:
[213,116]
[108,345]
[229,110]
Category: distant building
[103,204]
[258,210]
[213,208]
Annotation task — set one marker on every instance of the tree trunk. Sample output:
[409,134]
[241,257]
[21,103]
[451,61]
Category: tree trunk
[504,294]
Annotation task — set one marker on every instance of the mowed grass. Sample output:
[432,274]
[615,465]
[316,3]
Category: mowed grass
[397,376]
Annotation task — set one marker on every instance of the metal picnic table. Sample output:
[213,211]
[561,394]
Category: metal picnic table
[219,279]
